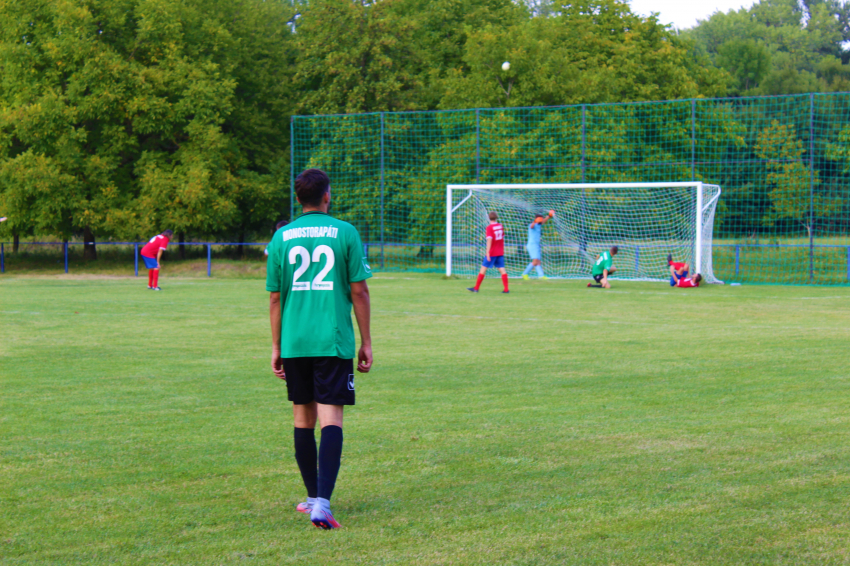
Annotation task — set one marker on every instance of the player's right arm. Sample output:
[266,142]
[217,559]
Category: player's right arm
[363,313]
[489,245]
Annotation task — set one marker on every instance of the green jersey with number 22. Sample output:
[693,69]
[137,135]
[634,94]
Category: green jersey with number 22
[312,263]
[604,262]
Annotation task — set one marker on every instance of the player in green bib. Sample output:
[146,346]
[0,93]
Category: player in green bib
[603,268]
[316,272]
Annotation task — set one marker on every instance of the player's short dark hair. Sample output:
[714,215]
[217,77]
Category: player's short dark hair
[614,249]
[538,215]
[493,216]
[279,225]
[167,233]
[698,278]
[311,185]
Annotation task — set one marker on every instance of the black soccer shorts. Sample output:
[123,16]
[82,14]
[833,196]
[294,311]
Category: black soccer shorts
[326,380]
[598,278]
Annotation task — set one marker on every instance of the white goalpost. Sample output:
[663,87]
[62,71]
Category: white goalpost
[646,221]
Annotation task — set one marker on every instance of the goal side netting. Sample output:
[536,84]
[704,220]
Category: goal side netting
[646,221]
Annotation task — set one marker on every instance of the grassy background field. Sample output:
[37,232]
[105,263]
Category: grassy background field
[554,425]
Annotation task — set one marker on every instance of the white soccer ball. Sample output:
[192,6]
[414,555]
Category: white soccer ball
[506,66]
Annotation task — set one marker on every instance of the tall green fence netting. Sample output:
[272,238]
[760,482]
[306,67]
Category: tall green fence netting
[783,164]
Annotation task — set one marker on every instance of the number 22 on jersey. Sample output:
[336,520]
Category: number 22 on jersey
[301,256]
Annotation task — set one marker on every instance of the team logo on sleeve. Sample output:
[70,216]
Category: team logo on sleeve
[351,382]
[368,270]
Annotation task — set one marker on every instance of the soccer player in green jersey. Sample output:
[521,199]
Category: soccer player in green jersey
[603,268]
[316,272]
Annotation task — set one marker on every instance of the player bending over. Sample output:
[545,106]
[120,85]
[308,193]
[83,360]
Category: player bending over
[535,230]
[151,254]
[677,270]
[603,268]
[495,254]
[315,273]
[687,282]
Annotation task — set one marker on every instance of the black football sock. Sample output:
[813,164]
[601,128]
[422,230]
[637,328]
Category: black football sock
[330,453]
[591,285]
[305,455]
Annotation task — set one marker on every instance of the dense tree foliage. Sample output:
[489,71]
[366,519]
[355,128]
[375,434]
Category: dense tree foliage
[779,46]
[119,118]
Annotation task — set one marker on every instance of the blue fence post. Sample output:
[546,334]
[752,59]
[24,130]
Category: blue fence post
[737,258]
[3,258]
[209,260]
[65,246]
[848,262]
[637,260]
[136,257]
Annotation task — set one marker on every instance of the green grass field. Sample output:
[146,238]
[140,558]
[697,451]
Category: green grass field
[554,425]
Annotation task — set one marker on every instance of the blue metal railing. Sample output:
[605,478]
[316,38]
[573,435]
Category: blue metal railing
[209,245]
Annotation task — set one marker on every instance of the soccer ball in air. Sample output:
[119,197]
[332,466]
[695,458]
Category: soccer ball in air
[506,66]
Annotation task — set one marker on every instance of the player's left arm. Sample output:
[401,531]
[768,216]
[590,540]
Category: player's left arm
[275,319]
[158,256]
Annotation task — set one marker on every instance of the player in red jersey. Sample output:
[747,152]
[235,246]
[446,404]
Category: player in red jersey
[689,282]
[495,254]
[678,270]
[151,254]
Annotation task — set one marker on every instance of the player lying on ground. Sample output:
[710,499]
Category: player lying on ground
[494,256]
[603,268]
[151,254]
[535,230]
[315,273]
[687,282]
[677,270]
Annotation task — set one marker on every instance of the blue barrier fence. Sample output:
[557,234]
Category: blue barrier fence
[66,245]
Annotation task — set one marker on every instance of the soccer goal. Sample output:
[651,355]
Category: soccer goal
[646,221]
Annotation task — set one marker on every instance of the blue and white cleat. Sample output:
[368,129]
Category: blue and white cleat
[323,518]
[472,289]
[305,507]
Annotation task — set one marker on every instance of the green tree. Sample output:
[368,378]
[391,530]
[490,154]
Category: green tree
[356,56]
[596,51]
[801,45]
[791,184]
[147,106]
[747,62]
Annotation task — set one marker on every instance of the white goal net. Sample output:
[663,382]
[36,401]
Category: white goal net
[646,221]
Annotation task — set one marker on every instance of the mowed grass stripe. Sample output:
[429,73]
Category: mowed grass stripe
[554,425]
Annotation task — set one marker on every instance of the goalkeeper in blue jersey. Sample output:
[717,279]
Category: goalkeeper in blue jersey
[535,231]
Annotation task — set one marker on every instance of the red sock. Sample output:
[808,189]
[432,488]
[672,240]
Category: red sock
[150,277]
[505,280]
[480,279]
[155,278]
